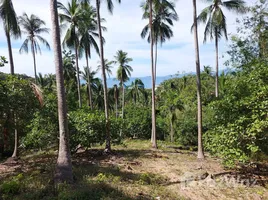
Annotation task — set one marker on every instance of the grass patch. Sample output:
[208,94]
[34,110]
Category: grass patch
[134,171]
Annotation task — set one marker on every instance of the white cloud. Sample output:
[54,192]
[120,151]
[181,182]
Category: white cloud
[124,28]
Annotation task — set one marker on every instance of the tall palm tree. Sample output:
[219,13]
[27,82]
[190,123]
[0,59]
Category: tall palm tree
[200,154]
[73,16]
[64,165]
[106,103]
[163,16]
[88,75]
[216,26]
[33,27]
[136,89]
[11,26]
[153,138]
[123,72]
[88,32]
[108,65]
[148,5]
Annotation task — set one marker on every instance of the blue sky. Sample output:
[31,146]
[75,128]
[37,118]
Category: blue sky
[124,27]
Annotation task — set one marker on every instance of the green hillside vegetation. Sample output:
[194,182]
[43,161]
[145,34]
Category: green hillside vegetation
[61,139]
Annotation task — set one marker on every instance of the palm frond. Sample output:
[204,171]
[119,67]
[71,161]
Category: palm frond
[24,46]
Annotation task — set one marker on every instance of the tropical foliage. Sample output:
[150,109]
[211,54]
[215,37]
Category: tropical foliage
[184,110]
[33,27]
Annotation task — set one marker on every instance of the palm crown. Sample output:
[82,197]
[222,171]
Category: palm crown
[163,17]
[9,18]
[124,70]
[33,27]
[215,19]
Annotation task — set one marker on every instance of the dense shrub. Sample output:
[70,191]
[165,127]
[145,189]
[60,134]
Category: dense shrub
[87,128]
[43,129]
[241,123]
[138,122]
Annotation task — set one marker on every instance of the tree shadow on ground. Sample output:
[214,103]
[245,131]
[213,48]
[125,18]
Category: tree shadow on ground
[98,155]
[96,191]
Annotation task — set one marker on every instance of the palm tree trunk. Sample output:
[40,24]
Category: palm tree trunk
[108,137]
[89,84]
[154,144]
[123,99]
[10,53]
[33,52]
[15,152]
[217,66]
[64,166]
[198,83]
[77,75]
[155,63]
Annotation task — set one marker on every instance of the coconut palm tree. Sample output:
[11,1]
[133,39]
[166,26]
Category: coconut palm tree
[73,16]
[163,16]
[108,65]
[153,138]
[88,32]
[148,5]
[89,76]
[216,25]
[110,7]
[123,72]
[200,153]
[11,26]
[64,165]
[136,89]
[33,27]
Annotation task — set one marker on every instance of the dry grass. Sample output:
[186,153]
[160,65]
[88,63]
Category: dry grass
[134,171]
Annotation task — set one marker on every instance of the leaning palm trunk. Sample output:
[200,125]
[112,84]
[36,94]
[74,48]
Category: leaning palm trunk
[198,82]
[107,124]
[154,144]
[64,165]
[10,53]
[217,66]
[77,75]
[33,52]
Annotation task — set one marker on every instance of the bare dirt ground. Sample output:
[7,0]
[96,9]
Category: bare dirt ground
[139,172]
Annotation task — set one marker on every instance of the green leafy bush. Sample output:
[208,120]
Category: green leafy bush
[137,122]
[12,186]
[87,128]
[43,129]
[240,131]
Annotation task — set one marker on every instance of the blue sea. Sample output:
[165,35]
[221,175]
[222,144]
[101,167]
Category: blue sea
[147,80]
